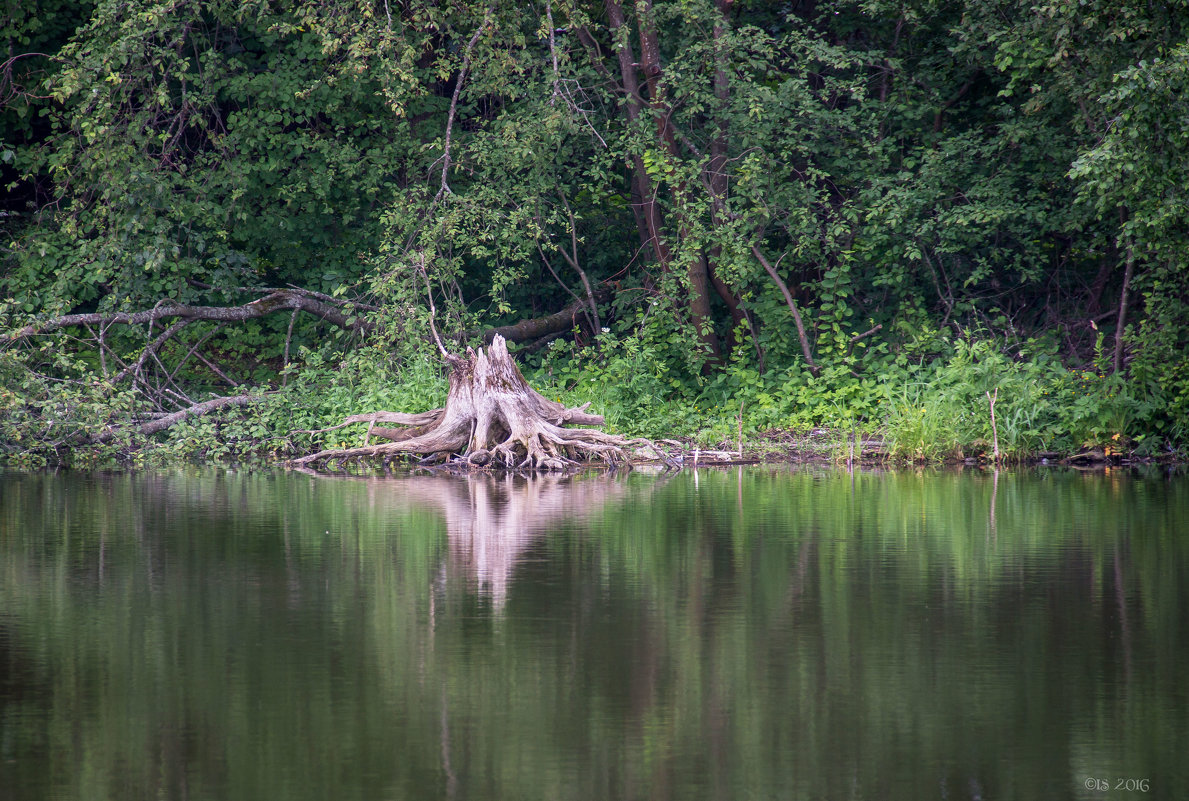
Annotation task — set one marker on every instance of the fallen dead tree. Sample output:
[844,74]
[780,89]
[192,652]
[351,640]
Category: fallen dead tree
[161,389]
[196,410]
[492,417]
[276,300]
[152,368]
[534,328]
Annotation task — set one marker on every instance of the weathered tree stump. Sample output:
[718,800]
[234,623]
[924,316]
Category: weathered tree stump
[492,418]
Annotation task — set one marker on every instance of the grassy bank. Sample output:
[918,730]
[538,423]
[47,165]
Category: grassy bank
[976,401]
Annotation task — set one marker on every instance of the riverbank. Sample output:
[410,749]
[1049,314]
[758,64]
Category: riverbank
[976,406]
[840,447]
[818,445]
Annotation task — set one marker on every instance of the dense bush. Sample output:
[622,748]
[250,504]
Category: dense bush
[850,215]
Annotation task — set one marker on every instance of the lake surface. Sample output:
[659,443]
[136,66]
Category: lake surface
[744,634]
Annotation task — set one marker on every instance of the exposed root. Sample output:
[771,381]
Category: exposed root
[492,419]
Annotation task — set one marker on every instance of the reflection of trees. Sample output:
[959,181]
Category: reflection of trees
[751,634]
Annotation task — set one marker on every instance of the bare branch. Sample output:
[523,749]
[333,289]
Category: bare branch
[549,266]
[857,337]
[196,410]
[573,261]
[285,357]
[279,300]
[538,327]
[462,72]
[433,312]
[788,299]
[1128,271]
[194,349]
[552,52]
[215,369]
[149,349]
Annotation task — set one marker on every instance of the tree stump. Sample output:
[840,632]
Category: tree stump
[492,418]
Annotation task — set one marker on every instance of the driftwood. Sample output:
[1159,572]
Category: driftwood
[492,417]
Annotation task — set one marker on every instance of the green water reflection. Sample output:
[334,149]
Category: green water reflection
[728,635]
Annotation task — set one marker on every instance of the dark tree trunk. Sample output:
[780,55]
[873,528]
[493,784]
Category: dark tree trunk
[697,272]
[715,174]
[642,190]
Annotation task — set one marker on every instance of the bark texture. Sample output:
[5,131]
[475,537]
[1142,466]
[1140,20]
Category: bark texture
[195,410]
[492,417]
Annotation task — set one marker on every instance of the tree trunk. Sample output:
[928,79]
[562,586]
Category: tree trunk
[716,169]
[1121,320]
[697,272]
[556,323]
[493,417]
[648,212]
[731,300]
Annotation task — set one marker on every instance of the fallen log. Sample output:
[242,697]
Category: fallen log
[537,327]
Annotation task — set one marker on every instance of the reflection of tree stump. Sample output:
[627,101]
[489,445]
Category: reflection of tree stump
[492,521]
[491,417]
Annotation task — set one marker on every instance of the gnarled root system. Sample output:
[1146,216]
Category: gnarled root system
[492,417]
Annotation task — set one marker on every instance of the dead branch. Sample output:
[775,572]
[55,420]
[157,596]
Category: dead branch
[788,299]
[196,410]
[859,337]
[279,300]
[462,72]
[553,53]
[1128,271]
[135,368]
[537,327]
[572,259]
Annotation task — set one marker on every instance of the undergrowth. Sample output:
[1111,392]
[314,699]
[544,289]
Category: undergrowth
[923,407]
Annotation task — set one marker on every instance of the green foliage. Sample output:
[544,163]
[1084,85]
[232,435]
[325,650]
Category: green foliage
[944,411]
[1135,174]
[197,141]
[950,194]
[628,380]
[49,411]
[318,396]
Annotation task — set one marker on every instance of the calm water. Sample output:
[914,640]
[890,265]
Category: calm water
[755,634]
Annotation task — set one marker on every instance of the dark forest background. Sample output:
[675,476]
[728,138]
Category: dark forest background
[697,214]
